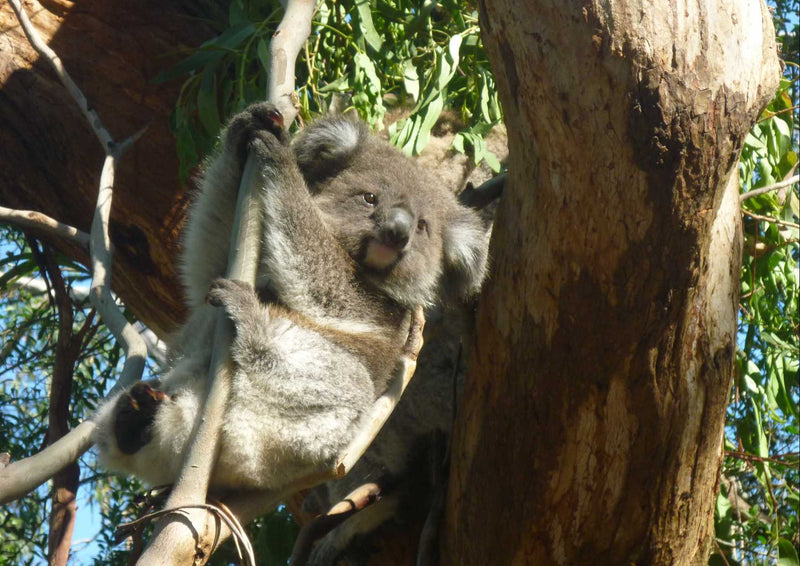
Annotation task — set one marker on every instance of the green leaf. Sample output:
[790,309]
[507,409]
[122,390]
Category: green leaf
[236,13]
[367,25]
[191,64]
[366,65]
[411,79]
[754,142]
[207,101]
[20,270]
[432,114]
[339,85]
[484,101]
[787,554]
[492,161]
[751,385]
[232,37]
[458,142]
[263,54]
[449,62]
[401,138]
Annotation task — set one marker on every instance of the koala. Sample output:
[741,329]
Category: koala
[355,236]
[408,459]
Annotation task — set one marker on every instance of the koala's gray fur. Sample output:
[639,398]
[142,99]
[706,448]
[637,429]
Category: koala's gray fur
[399,458]
[407,459]
[318,338]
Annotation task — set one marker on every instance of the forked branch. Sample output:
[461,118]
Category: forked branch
[21,477]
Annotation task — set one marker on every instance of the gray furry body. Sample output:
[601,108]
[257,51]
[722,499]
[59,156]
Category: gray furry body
[401,458]
[354,237]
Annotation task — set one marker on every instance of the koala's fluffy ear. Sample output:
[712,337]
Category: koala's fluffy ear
[466,251]
[327,146]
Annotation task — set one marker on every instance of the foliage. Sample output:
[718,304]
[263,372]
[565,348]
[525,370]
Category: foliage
[412,60]
[28,326]
[756,513]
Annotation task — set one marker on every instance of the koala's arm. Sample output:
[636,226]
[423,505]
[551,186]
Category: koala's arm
[301,262]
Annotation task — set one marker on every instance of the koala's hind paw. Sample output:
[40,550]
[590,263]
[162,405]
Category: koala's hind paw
[238,298]
[134,415]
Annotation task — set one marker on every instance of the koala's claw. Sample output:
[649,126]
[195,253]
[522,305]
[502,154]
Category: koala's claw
[260,123]
[269,117]
[238,298]
[229,292]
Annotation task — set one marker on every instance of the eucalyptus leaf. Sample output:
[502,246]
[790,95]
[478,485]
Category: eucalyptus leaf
[371,36]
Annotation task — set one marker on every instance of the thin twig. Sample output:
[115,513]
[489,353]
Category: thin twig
[769,188]
[753,458]
[770,219]
[721,553]
[44,224]
[771,114]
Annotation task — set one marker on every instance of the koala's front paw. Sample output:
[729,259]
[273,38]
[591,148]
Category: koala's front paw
[135,413]
[259,125]
[239,299]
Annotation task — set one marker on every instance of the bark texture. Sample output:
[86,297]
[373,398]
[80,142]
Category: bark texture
[49,159]
[591,429]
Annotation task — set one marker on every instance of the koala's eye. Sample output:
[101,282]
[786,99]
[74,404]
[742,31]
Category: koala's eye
[370,199]
[422,225]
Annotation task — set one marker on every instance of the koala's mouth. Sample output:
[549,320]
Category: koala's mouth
[379,255]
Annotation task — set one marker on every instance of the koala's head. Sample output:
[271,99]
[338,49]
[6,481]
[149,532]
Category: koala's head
[410,236]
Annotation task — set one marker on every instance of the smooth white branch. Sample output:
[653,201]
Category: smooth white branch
[286,43]
[21,477]
[44,224]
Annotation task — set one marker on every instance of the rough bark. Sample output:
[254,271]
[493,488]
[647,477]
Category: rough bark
[51,161]
[592,426]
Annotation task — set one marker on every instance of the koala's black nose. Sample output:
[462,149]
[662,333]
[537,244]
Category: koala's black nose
[396,229]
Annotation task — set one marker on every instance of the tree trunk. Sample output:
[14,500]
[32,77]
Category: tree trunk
[51,161]
[592,426]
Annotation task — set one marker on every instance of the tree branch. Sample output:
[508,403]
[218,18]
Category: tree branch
[204,537]
[65,483]
[286,43]
[44,224]
[770,219]
[192,485]
[21,477]
[763,190]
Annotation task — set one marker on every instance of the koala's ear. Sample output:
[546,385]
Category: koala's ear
[327,146]
[466,252]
